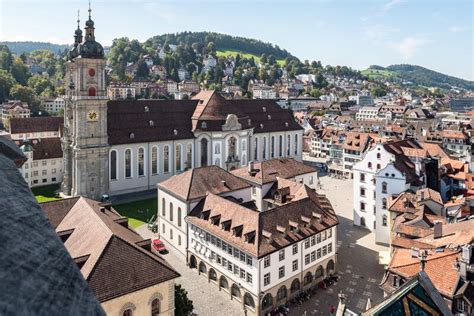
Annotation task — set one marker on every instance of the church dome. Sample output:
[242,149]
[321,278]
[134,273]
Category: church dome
[90,23]
[91,49]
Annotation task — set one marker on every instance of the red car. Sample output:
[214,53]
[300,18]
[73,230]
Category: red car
[159,246]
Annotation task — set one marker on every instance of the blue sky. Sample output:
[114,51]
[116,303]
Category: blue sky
[437,34]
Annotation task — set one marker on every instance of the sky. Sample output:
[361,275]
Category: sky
[437,34]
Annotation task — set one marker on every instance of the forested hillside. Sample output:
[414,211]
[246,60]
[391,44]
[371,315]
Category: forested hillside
[27,47]
[419,76]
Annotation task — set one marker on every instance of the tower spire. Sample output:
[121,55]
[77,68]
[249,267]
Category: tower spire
[78,19]
[90,9]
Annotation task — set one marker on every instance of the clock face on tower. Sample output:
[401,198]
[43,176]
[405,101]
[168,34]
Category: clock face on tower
[92,116]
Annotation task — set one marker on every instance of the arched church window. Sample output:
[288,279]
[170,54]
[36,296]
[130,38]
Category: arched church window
[92,91]
[154,160]
[296,144]
[232,147]
[256,149]
[189,157]
[113,165]
[264,149]
[288,146]
[128,163]
[280,146]
[141,162]
[272,147]
[204,147]
[166,159]
[178,157]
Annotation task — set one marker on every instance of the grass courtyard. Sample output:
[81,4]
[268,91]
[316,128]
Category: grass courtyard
[46,193]
[139,212]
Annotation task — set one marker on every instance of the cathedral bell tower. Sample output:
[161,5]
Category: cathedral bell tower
[85,143]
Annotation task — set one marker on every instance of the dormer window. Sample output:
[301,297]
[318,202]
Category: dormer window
[132,135]
[264,109]
[249,121]
[269,116]
[286,124]
[261,125]
[203,125]
[147,109]
[152,123]
[175,132]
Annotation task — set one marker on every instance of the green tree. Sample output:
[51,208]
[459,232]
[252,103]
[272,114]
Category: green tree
[25,94]
[20,71]
[378,91]
[315,93]
[6,83]
[6,59]
[40,83]
[142,69]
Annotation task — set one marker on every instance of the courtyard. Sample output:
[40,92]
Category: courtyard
[357,266]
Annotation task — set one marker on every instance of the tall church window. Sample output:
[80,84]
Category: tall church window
[256,149]
[178,158]
[113,165]
[91,91]
[232,147]
[296,144]
[141,161]
[155,307]
[288,146]
[179,216]
[171,212]
[204,146]
[280,146]
[154,160]
[272,147]
[166,159]
[128,163]
[189,157]
[264,149]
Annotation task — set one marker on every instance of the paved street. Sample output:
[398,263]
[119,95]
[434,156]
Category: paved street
[357,265]
[207,299]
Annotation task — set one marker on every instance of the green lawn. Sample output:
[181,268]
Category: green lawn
[374,73]
[139,212]
[233,53]
[46,193]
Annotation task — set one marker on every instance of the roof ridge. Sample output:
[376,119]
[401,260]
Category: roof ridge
[190,183]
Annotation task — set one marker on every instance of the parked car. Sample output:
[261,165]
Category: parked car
[159,246]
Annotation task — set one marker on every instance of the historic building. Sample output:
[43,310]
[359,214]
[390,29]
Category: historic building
[122,271]
[122,146]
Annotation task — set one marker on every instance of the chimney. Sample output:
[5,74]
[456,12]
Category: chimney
[423,255]
[437,229]
[250,166]
[414,252]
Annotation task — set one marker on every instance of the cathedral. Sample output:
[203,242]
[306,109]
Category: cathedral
[121,146]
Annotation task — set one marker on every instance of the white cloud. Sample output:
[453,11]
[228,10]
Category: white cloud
[389,5]
[379,33]
[410,45]
[456,29]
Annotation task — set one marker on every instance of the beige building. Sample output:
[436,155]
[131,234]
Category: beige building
[122,271]
[13,109]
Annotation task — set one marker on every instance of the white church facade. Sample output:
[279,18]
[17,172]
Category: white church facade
[121,146]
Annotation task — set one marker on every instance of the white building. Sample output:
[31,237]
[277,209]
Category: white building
[168,137]
[385,170]
[44,165]
[209,62]
[178,195]
[263,92]
[120,91]
[264,258]
[14,109]
[367,113]
[35,127]
[53,106]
